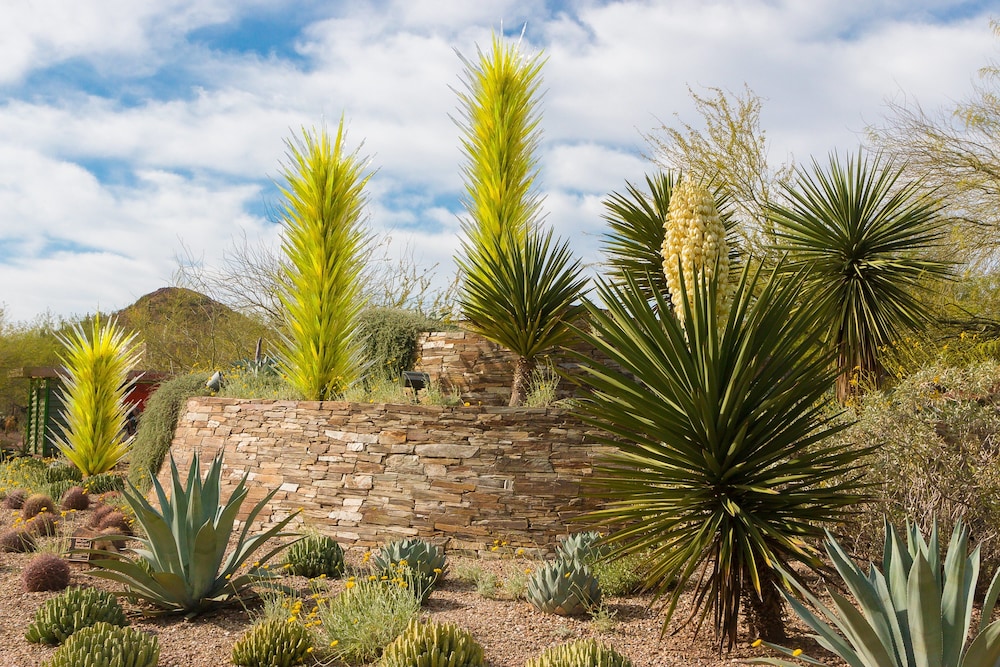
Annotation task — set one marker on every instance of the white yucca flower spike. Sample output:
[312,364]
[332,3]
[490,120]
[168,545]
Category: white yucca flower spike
[696,235]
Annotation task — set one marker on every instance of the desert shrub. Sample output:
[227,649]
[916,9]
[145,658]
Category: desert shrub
[156,426]
[22,472]
[937,455]
[389,338]
[74,609]
[45,572]
[250,380]
[362,620]
[621,576]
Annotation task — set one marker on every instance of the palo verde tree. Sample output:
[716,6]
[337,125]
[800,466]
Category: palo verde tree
[519,285]
[325,244]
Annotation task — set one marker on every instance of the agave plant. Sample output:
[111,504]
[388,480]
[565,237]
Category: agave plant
[325,247]
[916,612]
[864,240]
[96,382]
[183,565]
[518,288]
[720,470]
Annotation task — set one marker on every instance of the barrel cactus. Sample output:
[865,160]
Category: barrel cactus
[564,587]
[581,653]
[106,645]
[35,504]
[695,242]
[74,609]
[433,645]
[274,643]
[45,572]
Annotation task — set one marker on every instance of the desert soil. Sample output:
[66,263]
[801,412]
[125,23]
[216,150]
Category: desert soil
[510,631]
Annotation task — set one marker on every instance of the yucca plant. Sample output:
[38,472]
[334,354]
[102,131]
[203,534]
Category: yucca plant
[325,247]
[637,229]
[97,364]
[915,612]
[183,565]
[863,239]
[720,469]
[518,287]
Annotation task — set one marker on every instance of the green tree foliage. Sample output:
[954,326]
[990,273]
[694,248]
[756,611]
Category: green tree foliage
[732,152]
[325,246]
[863,239]
[97,364]
[518,286]
[721,470]
[23,345]
[389,338]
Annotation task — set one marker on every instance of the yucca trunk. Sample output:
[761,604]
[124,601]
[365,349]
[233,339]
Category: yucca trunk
[524,368]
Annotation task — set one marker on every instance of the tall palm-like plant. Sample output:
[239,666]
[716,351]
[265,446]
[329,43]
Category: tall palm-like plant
[518,286]
[863,239]
[97,364]
[325,246]
[720,468]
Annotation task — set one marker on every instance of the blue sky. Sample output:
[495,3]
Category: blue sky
[133,130]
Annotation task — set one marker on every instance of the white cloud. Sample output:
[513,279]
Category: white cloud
[196,164]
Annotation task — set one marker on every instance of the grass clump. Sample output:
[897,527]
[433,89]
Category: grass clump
[359,623]
[156,427]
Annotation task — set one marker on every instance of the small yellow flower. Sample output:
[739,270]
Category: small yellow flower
[519,552]
[796,653]
[228,577]
[757,643]
[349,585]
[437,570]
[334,643]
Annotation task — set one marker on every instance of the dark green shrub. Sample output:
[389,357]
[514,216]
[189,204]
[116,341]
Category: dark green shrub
[104,645]
[45,572]
[390,340]
[74,609]
[273,643]
[156,427]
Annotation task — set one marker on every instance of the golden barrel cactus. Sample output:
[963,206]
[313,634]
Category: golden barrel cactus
[696,236]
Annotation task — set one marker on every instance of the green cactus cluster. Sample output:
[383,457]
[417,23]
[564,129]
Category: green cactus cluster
[107,645]
[584,547]
[417,562]
[564,587]
[273,643]
[58,472]
[580,653]
[105,482]
[433,645]
[58,488]
[315,555]
[72,610]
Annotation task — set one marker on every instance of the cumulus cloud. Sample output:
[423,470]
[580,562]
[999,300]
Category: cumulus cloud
[175,138]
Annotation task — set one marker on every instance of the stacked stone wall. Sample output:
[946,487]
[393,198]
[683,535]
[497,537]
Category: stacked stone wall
[461,477]
[481,372]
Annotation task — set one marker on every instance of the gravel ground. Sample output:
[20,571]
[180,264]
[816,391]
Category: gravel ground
[510,631]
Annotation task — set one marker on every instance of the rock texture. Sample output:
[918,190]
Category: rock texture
[461,477]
